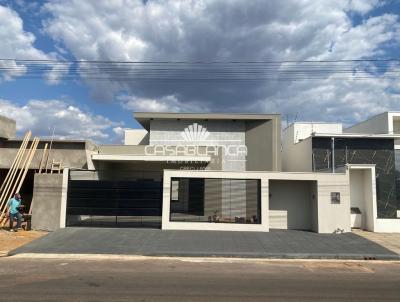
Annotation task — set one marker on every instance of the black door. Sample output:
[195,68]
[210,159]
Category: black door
[114,203]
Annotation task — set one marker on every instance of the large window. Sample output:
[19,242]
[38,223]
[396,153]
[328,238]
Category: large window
[215,200]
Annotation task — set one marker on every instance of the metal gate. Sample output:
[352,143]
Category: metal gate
[107,203]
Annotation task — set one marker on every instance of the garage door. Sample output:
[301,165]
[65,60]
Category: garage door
[114,203]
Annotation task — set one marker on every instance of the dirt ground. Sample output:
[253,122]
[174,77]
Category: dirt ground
[11,240]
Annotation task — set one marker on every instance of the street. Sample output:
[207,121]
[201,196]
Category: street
[190,279]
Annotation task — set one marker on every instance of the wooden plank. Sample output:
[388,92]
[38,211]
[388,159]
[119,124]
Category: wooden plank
[21,148]
[42,160]
[13,185]
[21,177]
[30,207]
[48,152]
[11,180]
[28,165]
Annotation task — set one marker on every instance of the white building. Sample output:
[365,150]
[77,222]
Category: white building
[231,172]
[367,152]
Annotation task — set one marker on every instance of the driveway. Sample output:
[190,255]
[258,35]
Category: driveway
[152,242]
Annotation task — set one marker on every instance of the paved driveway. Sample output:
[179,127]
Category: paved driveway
[152,242]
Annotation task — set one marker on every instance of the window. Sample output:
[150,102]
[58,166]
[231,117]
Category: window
[216,200]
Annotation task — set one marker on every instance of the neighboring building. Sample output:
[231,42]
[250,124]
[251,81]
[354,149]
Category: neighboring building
[7,128]
[45,188]
[367,150]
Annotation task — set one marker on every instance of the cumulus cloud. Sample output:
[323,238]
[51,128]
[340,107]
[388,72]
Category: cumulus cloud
[254,30]
[362,6]
[163,104]
[333,100]
[69,121]
[16,43]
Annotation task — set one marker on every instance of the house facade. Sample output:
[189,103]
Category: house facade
[233,172]
[367,151]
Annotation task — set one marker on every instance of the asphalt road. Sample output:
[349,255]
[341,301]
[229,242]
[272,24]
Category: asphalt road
[196,280]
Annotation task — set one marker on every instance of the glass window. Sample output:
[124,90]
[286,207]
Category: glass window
[216,200]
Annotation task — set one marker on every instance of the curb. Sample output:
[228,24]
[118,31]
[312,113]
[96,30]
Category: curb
[207,258]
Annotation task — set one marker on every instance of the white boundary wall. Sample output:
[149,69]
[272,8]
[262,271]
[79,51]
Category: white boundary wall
[330,217]
[373,223]
[64,191]
[369,194]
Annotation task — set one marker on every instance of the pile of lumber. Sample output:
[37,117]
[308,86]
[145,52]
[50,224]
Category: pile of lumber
[16,174]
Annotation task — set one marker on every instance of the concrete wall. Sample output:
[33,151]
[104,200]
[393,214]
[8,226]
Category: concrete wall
[47,197]
[263,145]
[357,189]
[372,223]
[168,162]
[72,154]
[361,190]
[326,217]
[293,200]
[393,122]
[333,216]
[304,130]
[369,198]
[378,124]
[136,137]
[122,149]
[7,127]
[69,158]
[396,126]
[296,157]
[387,225]
[221,133]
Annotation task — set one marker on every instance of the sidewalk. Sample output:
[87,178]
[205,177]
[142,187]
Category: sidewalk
[283,244]
[391,241]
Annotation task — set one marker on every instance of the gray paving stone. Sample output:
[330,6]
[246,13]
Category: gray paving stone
[153,242]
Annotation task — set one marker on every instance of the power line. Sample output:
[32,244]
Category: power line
[202,62]
[202,70]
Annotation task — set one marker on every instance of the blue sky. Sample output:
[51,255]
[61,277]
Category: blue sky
[190,31]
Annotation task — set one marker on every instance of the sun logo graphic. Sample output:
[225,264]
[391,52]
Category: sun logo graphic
[195,133]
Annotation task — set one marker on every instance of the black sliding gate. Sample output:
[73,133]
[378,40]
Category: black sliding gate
[107,203]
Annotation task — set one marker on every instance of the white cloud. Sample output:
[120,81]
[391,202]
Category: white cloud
[164,104]
[119,134]
[69,121]
[362,6]
[335,100]
[55,75]
[19,44]
[231,30]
